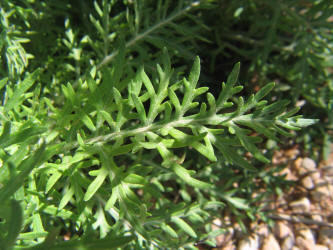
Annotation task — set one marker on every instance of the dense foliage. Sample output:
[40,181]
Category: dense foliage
[110,138]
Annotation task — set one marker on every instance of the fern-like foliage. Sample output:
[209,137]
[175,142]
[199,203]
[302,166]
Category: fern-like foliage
[111,154]
[117,154]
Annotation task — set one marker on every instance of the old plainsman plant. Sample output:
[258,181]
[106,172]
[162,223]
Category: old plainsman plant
[133,163]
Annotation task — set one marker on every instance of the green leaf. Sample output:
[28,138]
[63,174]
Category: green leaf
[258,127]
[69,192]
[196,218]
[184,226]
[91,83]
[233,76]
[175,101]
[135,179]
[107,118]
[186,140]
[87,121]
[303,122]
[37,224]
[243,138]
[194,73]
[96,184]
[187,178]
[6,127]
[231,156]
[290,113]
[26,167]
[79,139]
[32,235]
[118,66]
[14,224]
[20,136]
[169,230]
[114,242]
[117,96]
[140,108]
[21,88]
[52,181]
[237,202]
[212,103]
[146,81]
[120,150]
[275,108]
[201,91]
[227,89]
[264,91]
[113,198]
[3,82]
[69,92]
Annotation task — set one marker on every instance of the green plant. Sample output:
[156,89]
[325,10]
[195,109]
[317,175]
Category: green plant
[289,42]
[116,154]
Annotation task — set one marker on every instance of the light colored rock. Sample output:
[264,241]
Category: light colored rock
[288,243]
[308,164]
[320,192]
[328,170]
[292,153]
[326,237]
[297,163]
[307,234]
[220,239]
[321,247]
[295,248]
[249,243]
[281,230]
[217,223]
[317,217]
[307,182]
[224,239]
[270,243]
[320,182]
[263,230]
[289,176]
[305,244]
[329,180]
[307,167]
[301,205]
[315,176]
[229,247]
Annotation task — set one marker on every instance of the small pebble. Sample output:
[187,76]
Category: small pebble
[305,244]
[301,205]
[270,243]
[281,230]
[249,243]
[328,170]
[307,234]
[317,217]
[229,247]
[320,192]
[321,247]
[263,230]
[308,164]
[307,182]
[288,243]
